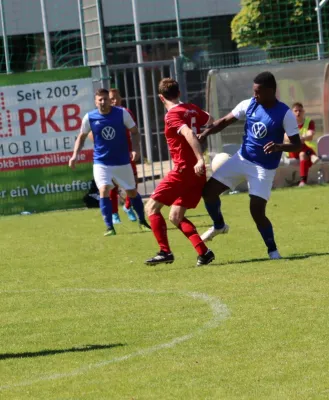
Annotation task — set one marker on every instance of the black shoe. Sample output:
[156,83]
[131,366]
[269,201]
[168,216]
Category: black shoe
[161,258]
[145,226]
[206,258]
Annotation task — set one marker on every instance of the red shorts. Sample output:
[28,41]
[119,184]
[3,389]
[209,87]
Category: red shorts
[180,188]
[305,149]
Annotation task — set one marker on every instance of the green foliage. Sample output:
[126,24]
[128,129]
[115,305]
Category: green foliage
[268,23]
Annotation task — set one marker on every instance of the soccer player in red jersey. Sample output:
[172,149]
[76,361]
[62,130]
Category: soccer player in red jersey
[182,187]
[116,100]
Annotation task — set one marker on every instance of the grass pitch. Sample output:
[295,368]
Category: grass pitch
[83,318]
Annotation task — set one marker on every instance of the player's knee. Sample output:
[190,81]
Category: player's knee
[151,207]
[257,209]
[302,155]
[132,193]
[104,191]
[175,218]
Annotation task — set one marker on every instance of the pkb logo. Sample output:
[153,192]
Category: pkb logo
[108,133]
[259,130]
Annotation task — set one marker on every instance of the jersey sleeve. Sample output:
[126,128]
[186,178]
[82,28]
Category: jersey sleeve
[290,124]
[127,119]
[311,125]
[85,125]
[202,115]
[240,110]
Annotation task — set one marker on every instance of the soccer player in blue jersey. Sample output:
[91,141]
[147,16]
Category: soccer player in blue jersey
[111,155]
[267,119]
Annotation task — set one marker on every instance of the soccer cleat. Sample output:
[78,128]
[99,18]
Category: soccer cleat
[116,218]
[314,159]
[274,255]
[302,184]
[212,232]
[205,259]
[130,213]
[110,232]
[145,226]
[161,258]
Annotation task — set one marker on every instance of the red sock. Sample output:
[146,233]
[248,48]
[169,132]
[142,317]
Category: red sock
[304,166]
[159,228]
[127,203]
[191,233]
[114,199]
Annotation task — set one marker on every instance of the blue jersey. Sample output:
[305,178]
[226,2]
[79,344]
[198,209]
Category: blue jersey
[264,125]
[110,138]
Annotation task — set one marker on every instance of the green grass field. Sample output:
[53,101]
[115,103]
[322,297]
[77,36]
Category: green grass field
[83,318]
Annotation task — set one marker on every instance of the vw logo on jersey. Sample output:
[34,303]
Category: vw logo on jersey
[108,133]
[259,130]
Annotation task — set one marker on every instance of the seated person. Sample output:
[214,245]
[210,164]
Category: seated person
[307,156]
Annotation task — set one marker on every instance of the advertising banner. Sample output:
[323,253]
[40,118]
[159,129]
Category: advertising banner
[38,127]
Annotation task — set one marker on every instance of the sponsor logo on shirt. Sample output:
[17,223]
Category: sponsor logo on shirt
[108,133]
[259,130]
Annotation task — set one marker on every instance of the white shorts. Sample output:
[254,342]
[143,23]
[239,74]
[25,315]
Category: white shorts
[237,169]
[122,175]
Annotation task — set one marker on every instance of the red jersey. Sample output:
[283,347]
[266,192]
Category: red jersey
[311,126]
[130,145]
[178,116]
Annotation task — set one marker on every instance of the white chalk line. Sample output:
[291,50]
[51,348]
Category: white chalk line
[219,310]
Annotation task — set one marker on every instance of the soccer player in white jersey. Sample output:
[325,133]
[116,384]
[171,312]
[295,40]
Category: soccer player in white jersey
[267,119]
[111,155]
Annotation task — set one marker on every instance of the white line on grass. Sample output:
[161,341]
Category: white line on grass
[219,310]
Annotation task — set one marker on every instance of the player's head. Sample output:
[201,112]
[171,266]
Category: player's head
[264,88]
[168,90]
[298,110]
[102,101]
[115,97]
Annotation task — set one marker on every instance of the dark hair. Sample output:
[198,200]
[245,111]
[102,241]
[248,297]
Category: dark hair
[297,104]
[169,88]
[115,90]
[101,92]
[266,79]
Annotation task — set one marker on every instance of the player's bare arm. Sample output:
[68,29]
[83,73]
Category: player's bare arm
[308,136]
[135,140]
[218,126]
[78,145]
[195,145]
[294,145]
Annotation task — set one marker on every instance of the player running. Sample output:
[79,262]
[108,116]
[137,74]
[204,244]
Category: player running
[267,119]
[111,155]
[182,187]
[116,100]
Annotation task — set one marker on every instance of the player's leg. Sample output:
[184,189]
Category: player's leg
[103,179]
[159,229]
[127,206]
[307,157]
[177,217]
[260,183]
[229,175]
[124,176]
[115,205]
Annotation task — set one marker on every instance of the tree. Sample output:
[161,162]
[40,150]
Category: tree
[272,23]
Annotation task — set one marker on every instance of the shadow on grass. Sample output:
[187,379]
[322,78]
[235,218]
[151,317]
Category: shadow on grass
[292,257]
[48,352]
[157,268]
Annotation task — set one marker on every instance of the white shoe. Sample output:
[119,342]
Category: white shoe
[212,232]
[314,159]
[274,255]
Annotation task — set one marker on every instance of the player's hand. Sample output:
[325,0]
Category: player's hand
[271,147]
[199,168]
[72,162]
[202,136]
[135,156]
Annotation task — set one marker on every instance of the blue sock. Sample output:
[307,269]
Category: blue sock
[105,205]
[138,205]
[268,237]
[215,213]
